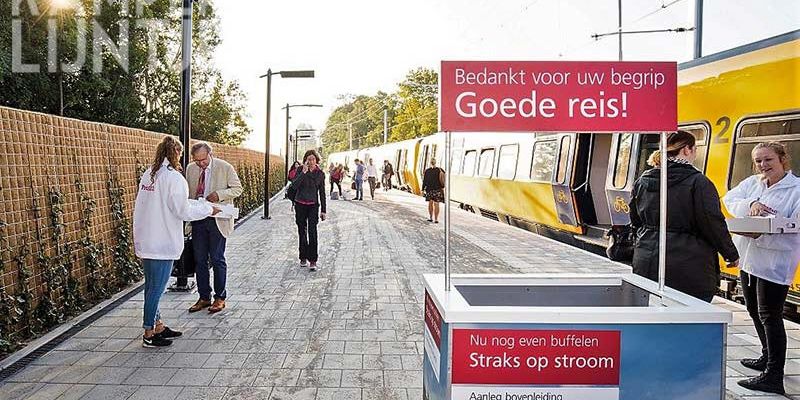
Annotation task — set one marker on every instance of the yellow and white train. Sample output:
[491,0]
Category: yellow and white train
[574,186]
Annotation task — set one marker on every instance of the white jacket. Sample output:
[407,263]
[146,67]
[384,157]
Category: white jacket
[773,257]
[161,207]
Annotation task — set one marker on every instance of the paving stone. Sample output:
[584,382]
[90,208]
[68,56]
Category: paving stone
[156,392]
[293,393]
[235,377]
[201,393]
[108,375]
[250,393]
[151,376]
[192,377]
[110,392]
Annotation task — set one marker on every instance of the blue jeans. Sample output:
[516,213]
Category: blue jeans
[209,245]
[156,277]
[359,189]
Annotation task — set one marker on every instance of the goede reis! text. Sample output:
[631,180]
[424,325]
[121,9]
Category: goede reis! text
[470,105]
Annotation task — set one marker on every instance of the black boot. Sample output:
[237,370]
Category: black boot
[766,382]
[758,364]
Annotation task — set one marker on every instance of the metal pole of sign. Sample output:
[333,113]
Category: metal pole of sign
[447,151]
[662,220]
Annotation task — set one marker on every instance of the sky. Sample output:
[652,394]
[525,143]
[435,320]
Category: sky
[362,47]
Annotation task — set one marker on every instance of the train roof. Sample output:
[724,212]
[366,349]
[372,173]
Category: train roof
[743,49]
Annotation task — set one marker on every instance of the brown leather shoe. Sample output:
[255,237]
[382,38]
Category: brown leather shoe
[218,305]
[201,304]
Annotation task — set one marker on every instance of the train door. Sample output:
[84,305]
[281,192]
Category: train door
[595,154]
[396,165]
[562,181]
[620,176]
[423,161]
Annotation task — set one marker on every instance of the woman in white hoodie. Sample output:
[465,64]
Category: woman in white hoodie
[162,204]
[768,261]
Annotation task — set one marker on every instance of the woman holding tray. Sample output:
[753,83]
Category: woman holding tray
[768,260]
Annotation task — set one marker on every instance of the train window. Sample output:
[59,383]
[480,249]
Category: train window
[423,160]
[779,127]
[544,160]
[563,160]
[623,161]
[507,166]
[700,132]
[784,129]
[486,163]
[469,162]
[456,161]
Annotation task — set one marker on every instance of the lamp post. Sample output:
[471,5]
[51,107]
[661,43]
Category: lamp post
[182,270]
[60,6]
[268,75]
[286,144]
[297,138]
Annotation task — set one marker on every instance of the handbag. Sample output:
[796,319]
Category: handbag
[185,266]
[291,192]
[353,185]
[441,177]
[621,241]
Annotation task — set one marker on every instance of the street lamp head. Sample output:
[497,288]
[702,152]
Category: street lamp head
[297,74]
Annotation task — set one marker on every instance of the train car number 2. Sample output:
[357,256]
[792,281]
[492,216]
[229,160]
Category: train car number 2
[725,122]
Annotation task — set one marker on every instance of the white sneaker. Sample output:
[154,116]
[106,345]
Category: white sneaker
[303,263]
[313,267]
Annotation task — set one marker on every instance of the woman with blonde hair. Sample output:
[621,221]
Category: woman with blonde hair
[162,204]
[696,229]
[770,260]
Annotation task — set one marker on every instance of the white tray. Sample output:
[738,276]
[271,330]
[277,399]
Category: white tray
[763,225]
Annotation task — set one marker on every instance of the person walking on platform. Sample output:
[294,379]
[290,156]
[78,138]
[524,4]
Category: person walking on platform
[162,204]
[336,178]
[388,172]
[358,179]
[433,186]
[696,229]
[770,260]
[310,199]
[290,190]
[215,180]
[372,178]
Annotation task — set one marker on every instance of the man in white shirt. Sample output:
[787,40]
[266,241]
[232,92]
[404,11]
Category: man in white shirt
[372,177]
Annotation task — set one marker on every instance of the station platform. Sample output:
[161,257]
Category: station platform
[352,330]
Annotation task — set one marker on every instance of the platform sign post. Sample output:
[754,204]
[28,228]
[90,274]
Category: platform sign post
[552,97]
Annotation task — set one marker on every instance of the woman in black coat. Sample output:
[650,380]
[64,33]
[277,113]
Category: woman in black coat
[696,229]
[310,207]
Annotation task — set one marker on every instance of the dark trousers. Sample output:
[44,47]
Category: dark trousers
[339,185]
[209,247]
[764,301]
[372,184]
[307,217]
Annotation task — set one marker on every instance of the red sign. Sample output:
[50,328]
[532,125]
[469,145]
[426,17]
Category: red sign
[535,357]
[433,320]
[549,96]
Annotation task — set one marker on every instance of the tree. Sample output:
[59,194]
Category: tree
[145,93]
[418,107]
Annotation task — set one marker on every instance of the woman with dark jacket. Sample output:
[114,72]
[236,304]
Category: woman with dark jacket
[432,185]
[696,229]
[310,197]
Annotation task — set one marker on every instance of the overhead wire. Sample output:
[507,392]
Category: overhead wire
[656,11]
